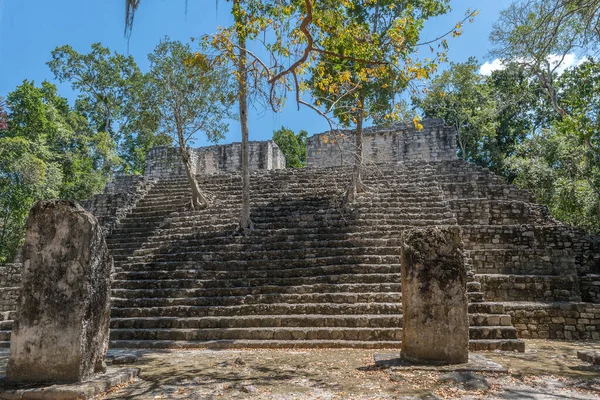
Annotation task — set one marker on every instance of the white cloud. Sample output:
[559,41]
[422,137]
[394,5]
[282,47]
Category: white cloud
[489,67]
[570,60]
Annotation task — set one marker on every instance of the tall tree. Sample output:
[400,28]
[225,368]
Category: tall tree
[243,29]
[103,79]
[458,96]
[140,128]
[520,111]
[47,151]
[242,79]
[193,94]
[540,34]
[106,82]
[551,166]
[580,95]
[366,58]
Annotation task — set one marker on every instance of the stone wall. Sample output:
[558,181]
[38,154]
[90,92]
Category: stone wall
[399,142]
[571,321]
[590,288]
[530,287]
[10,283]
[523,261]
[499,212]
[120,196]
[162,162]
[551,236]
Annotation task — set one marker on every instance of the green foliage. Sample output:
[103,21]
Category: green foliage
[460,97]
[552,167]
[140,132]
[508,124]
[104,82]
[292,145]
[115,98]
[48,151]
[192,93]
[369,56]
[521,109]
[539,34]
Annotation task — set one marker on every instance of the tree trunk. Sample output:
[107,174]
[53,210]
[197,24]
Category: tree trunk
[461,144]
[245,222]
[356,184]
[199,200]
[107,122]
[546,80]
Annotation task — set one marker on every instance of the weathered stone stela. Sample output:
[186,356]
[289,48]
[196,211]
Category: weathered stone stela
[435,326]
[61,330]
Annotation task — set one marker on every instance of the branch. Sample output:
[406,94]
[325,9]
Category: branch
[450,31]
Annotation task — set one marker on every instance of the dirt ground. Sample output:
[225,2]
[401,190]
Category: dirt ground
[547,370]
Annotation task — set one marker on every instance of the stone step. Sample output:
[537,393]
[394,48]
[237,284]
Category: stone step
[260,333]
[314,192]
[492,332]
[495,344]
[244,243]
[248,321]
[483,319]
[7,315]
[185,261]
[249,344]
[481,338]
[178,252]
[293,271]
[486,308]
[474,345]
[475,296]
[299,235]
[258,282]
[161,298]
[267,289]
[258,309]
[6,324]
[200,231]
[147,264]
[324,233]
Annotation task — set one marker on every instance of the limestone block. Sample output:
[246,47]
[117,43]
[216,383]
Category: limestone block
[435,325]
[61,329]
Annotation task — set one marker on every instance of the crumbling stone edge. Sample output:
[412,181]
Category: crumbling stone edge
[81,390]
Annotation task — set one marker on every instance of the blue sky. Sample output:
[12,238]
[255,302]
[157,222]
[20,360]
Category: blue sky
[31,29]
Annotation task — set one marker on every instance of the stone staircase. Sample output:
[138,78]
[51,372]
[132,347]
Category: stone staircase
[310,274]
[518,252]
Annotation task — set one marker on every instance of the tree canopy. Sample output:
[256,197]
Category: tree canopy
[292,145]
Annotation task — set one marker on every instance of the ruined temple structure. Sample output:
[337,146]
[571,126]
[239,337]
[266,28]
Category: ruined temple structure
[313,274]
